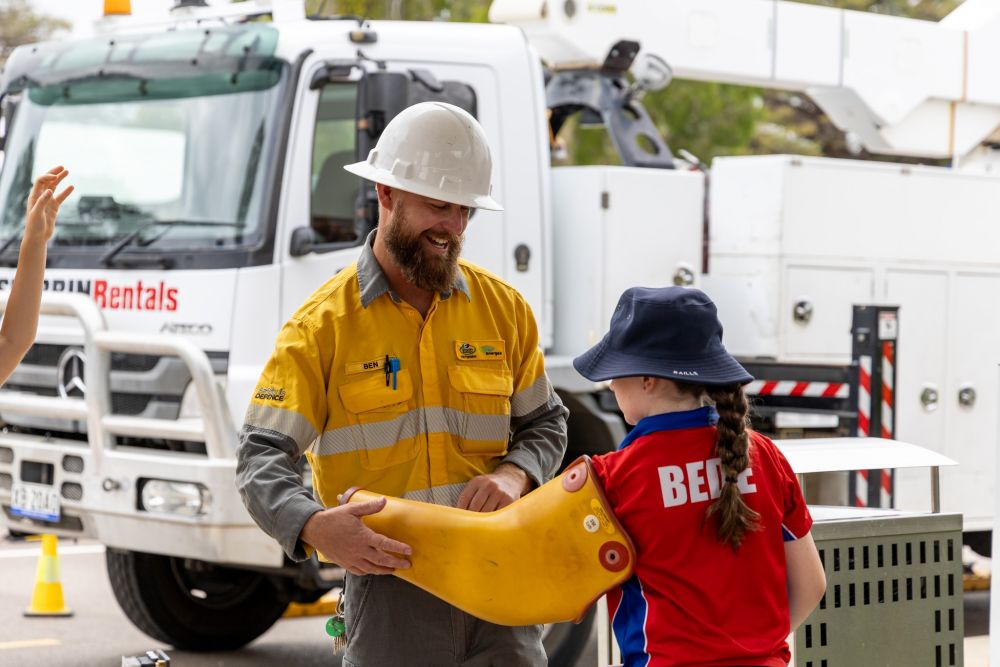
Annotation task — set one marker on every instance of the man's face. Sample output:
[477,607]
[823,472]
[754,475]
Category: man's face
[424,237]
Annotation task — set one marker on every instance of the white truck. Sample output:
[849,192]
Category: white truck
[207,154]
[207,149]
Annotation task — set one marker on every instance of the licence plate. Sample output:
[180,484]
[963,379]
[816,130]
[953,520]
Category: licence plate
[35,501]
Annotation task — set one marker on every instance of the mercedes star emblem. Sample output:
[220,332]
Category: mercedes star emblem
[70,373]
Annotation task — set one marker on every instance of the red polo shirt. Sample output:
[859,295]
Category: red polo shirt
[694,601]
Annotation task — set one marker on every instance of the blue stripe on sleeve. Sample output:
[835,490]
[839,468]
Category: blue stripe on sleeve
[629,624]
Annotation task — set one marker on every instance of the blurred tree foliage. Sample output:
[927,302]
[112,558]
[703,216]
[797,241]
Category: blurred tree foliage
[19,24]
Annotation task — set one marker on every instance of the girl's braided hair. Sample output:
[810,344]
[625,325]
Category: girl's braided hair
[732,447]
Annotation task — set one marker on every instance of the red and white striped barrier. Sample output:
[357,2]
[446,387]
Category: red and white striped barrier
[864,425]
[865,406]
[793,388]
[888,361]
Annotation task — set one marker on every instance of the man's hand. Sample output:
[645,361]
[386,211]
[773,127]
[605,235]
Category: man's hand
[500,488]
[43,205]
[339,534]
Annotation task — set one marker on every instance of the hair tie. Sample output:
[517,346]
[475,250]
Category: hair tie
[730,480]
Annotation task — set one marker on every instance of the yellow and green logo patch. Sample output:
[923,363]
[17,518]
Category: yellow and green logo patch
[480,350]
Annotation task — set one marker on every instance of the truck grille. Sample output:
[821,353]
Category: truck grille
[142,385]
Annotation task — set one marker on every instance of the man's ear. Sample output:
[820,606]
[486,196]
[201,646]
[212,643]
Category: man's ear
[385,196]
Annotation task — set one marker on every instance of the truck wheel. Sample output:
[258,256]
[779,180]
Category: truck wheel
[566,642]
[193,605]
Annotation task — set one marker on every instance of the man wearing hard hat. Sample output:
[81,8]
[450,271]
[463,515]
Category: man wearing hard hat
[412,374]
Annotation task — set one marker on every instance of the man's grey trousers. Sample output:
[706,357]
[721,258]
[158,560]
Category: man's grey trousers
[391,623]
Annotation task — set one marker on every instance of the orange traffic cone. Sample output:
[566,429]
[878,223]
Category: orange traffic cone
[47,599]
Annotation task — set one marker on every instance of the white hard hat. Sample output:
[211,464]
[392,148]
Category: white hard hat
[436,150]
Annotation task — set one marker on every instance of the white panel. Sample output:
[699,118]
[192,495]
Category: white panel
[896,63]
[746,203]
[983,84]
[645,245]
[849,112]
[832,292]
[808,45]
[577,242]
[920,362]
[972,431]
[747,294]
[923,132]
[871,210]
[728,40]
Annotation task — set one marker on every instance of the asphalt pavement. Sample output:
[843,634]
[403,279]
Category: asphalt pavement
[99,634]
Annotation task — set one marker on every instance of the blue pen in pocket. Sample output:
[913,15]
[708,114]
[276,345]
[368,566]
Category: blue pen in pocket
[391,368]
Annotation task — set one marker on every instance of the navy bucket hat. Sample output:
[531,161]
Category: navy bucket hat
[667,332]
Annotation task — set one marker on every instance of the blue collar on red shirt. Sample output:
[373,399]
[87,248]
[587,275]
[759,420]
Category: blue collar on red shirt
[672,421]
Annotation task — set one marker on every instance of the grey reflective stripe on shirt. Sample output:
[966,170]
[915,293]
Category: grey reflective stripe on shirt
[285,422]
[446,494]
[411,424]
[528,400]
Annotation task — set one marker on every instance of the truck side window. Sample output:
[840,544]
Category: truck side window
[333,189]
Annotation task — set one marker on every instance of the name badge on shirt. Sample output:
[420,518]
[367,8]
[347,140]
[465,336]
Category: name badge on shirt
[480,350]
[355,367]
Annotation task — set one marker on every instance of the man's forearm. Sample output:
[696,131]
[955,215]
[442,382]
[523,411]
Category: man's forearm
[270,484]
[539,441]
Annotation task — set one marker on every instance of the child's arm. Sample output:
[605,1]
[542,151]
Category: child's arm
[806,578]
[20,320]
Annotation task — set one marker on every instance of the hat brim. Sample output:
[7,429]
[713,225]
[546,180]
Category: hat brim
[367,171]
[600,363]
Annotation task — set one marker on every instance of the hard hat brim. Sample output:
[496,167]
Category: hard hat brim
[367,171]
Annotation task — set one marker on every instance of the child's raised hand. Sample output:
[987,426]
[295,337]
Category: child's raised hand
[43,204]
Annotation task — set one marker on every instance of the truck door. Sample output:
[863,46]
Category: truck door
[970,392]
[921,369]
[321,196]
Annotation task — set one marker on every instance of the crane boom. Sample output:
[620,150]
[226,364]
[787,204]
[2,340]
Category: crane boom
[903,86]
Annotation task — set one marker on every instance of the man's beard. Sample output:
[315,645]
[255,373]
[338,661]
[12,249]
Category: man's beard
[419,265]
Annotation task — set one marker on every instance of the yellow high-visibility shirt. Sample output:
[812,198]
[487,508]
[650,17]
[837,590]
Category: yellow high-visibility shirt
[404,405]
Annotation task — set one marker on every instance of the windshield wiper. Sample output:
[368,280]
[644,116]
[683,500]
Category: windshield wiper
[14,238]
[107,259]
[18,234]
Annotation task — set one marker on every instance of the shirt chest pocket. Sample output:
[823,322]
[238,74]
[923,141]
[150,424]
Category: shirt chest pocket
[381,426]
[484,402]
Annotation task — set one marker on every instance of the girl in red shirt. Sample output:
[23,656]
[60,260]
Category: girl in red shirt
[726,565]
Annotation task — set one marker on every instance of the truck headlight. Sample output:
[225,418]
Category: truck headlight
[177,498]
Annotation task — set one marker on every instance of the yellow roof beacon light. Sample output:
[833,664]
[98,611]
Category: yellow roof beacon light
[117,7]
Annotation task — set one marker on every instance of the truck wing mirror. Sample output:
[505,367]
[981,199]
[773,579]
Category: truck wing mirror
[305,241]
[4,122]
[332,70]
[381,97]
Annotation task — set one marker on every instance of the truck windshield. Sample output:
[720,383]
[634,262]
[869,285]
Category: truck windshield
[190,148]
